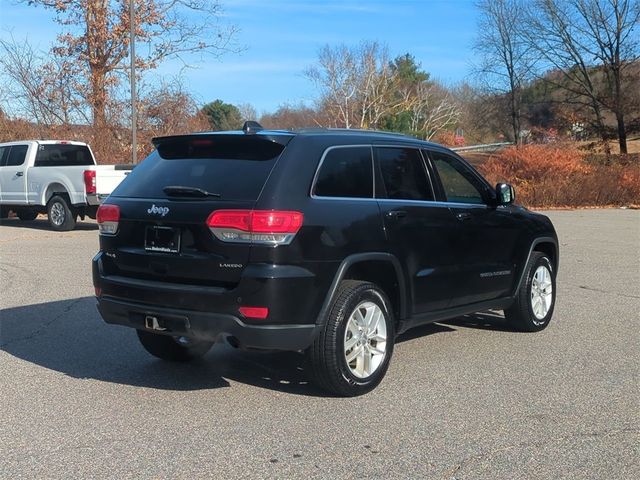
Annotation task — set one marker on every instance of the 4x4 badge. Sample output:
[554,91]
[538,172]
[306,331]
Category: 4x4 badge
[162,211]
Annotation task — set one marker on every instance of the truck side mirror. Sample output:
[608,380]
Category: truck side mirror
[505,194]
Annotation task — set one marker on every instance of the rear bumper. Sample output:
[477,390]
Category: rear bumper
[292,294]
[206,326]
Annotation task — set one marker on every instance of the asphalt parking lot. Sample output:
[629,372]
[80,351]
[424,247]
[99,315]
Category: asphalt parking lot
[466,399]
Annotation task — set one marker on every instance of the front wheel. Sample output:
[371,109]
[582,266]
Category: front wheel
[61,217]
[352,353]
[174,349]
[535,301]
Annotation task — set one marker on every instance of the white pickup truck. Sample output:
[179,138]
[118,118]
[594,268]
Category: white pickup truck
[57,177]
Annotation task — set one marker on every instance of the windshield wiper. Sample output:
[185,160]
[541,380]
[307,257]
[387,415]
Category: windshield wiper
[180,191]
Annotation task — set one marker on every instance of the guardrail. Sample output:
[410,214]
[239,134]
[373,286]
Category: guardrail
[486,146]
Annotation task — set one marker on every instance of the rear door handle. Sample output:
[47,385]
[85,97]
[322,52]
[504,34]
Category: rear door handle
[397,214]
[462,216]
[19,174]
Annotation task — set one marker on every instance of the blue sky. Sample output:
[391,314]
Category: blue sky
[282,38]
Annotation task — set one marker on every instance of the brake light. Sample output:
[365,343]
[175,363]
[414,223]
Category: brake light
[108,217]
[90,181]
[254,312]
[268,227]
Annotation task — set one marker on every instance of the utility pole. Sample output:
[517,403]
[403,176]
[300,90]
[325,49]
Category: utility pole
[134,113]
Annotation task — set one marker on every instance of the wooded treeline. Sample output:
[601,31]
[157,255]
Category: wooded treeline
[545,69]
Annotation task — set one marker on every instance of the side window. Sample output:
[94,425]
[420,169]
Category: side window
[403,174]
[16,156]
[458,182]
[346,172]
[4,153]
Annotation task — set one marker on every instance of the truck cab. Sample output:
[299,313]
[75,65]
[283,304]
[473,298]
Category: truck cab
[56,177]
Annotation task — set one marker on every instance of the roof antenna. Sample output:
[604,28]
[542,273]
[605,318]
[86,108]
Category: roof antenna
[251,126]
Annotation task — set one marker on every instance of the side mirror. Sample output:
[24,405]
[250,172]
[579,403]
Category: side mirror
[505,194]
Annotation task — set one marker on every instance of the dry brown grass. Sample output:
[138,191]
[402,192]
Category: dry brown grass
[558,176]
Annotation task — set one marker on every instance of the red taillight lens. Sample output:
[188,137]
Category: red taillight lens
[237,219]
[275,222]
[274,227]
[255,312]
[90,181]
[108,217]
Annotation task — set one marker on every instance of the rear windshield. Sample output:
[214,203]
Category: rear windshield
[235,169]
[63,155]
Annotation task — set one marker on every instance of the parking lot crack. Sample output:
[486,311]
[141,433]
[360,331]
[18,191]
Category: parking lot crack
[599,290]
[44,325]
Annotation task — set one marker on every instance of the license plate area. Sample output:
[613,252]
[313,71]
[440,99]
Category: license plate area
[162,239]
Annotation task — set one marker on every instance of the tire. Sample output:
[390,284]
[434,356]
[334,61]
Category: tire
[173,349]
[536,299]
[327,356]
[27,215]
[61,217]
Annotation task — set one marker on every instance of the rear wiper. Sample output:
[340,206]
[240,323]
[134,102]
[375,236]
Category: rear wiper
[180,191]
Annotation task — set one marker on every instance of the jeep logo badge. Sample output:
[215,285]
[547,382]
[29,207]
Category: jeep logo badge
[162,211]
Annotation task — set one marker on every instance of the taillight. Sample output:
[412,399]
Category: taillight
[269,227]
[108,217]
[90,181]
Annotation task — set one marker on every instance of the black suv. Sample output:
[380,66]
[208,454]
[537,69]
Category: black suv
[330,242]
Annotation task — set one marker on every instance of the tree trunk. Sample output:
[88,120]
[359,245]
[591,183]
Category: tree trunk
[622,134]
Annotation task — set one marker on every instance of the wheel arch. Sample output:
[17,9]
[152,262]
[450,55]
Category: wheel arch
[546,245]
[53,189]
[380,268]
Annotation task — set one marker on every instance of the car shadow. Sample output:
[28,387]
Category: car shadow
[69,336]
[41,223]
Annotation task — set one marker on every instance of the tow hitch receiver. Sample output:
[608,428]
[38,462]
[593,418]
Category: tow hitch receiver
[152,323]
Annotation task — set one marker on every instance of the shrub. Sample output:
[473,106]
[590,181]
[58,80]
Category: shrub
[559,176]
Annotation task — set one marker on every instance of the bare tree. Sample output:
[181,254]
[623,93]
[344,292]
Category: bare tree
[96,39]
[336,77]
[586,40]
[39,89]
[609,27]
[432,109]
[506,62]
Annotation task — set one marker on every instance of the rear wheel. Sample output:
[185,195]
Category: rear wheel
[27,214]
[351,355]
[61,217]
[533,307]
[175,349]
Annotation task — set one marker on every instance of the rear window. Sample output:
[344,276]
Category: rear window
[63,155]
[236,169]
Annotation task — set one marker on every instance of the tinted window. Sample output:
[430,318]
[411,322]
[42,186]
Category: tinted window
[403,174]
[346,172]
[62,155]
[4,153]
[236,168]
[458,181]
[16,155]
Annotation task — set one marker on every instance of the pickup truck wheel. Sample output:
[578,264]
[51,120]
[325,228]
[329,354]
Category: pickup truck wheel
[61,217]
[174,349]
[27,215]
[352,353]
[533,307]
